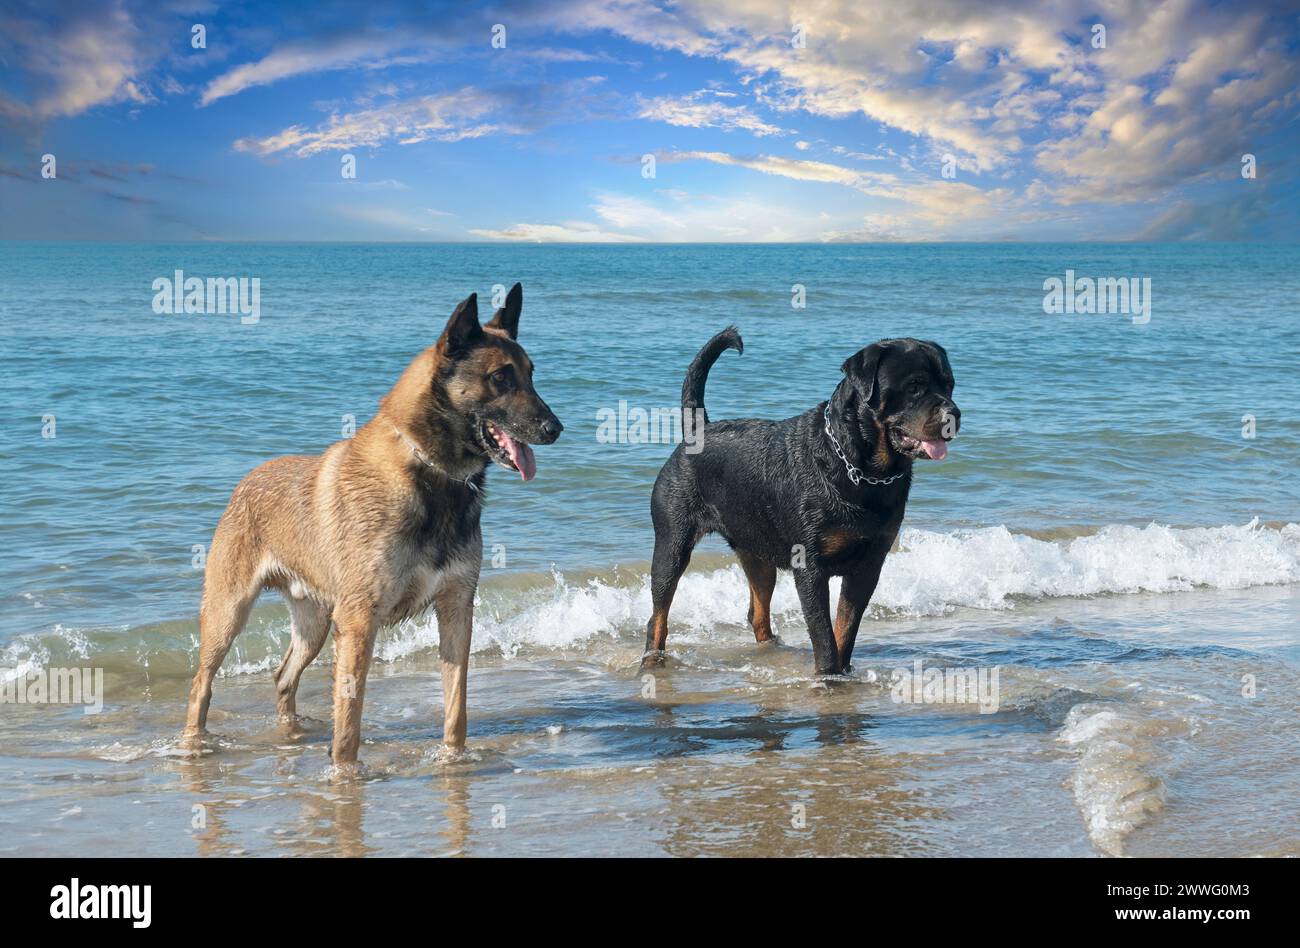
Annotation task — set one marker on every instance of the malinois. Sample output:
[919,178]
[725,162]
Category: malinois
[380,525]
[822,493]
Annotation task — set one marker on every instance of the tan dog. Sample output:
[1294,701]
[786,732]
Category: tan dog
[381,525]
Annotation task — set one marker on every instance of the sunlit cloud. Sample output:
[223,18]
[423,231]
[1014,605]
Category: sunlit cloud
[703,110]
[839,120]
[368,50]
[451,117]
[574,232]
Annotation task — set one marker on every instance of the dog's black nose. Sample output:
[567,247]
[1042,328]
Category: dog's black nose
[551,429]
[951,417]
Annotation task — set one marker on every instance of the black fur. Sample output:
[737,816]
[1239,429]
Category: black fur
[698,372]
[779,495]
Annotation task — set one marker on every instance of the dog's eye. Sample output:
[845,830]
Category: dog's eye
[501,376]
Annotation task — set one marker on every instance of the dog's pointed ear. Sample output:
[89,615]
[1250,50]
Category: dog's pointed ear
[861,368]
[462,328]
[507,317]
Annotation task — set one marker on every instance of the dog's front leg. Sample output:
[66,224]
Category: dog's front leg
[354,644]
[455,608]
[855,593]
[814,596]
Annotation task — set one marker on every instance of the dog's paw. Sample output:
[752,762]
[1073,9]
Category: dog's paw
[346,772]
[189,746]
[448,754]
[651,661]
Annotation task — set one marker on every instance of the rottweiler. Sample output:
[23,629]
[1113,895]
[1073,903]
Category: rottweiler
[821,494]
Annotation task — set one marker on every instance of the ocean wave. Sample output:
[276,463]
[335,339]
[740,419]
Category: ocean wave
[1116,780]
[930,574]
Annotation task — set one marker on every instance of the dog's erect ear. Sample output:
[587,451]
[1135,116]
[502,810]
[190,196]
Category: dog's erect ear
[507,317]
[463,328]
[861,368]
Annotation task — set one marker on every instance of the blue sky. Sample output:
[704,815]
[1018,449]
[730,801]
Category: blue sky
[1046,134]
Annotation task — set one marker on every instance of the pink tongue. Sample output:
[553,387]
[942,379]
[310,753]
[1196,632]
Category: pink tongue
[936,450]
[522,456]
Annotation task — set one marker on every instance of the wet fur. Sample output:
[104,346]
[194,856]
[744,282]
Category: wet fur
[775,489]
[376,528]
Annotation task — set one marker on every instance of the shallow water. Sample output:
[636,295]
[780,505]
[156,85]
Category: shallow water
[1144,747]
[1102,535]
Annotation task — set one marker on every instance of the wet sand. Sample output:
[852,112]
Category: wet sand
[1121,730]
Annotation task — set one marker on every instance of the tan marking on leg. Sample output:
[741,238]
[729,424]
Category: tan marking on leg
[762,581]
[659,628]
[843,619]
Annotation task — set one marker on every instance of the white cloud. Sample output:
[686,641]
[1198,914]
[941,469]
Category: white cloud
[1180,84]
[1015,91]
[861,58]
[423,39]
[86,58]
[797,168]
[742,219]
[453,116]
[386,184]
[876,228]
[573,232]
[931,208]
[700,110]
[448,117]
[684,218]
[630,213]
[360,50]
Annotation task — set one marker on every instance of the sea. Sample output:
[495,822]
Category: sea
[1111,551]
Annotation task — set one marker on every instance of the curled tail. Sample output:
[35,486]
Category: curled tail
[698,373]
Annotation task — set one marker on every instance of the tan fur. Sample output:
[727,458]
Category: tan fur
[836,542]
[762,581]
[659,618]
[332,532]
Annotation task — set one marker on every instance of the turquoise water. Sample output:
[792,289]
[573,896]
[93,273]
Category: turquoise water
[1101,532]
[1070,422]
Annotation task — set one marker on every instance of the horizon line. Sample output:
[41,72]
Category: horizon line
[635,243]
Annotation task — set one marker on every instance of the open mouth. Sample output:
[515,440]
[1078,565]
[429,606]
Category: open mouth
[913,447]
[507,450]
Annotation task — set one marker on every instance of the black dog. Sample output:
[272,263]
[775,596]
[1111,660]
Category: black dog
[821,493]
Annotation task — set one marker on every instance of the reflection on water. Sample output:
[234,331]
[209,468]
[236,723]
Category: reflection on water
[1122,729]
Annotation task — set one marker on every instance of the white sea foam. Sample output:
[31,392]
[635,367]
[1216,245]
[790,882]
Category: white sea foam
[931,574]
[1116,781]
